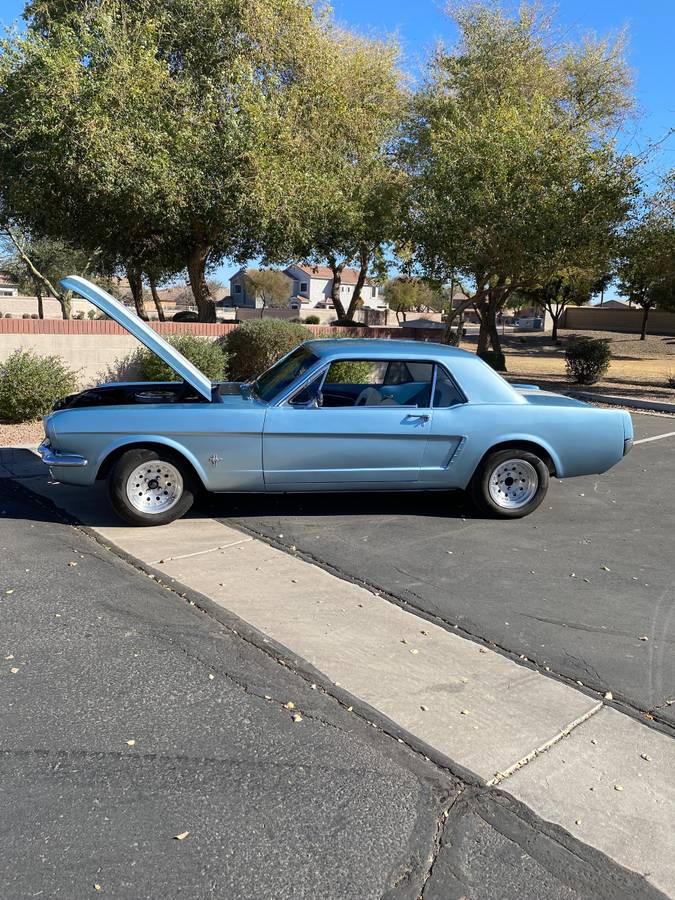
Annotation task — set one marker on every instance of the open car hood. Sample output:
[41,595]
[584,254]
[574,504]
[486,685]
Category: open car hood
[141,330]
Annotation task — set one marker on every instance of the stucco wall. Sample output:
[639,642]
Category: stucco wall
[597,318]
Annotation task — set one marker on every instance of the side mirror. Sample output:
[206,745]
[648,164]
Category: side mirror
[308,400]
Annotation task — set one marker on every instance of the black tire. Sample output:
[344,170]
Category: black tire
[510,483]
[175,505]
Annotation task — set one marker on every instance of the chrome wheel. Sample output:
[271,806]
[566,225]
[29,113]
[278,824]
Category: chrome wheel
[513,484]
[154,487]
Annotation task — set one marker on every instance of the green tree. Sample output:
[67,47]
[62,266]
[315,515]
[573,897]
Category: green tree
[40,263]
[270,286]
[514,174]
[405,295]
[352,192]
[170,130]
[646,267]
[570,288]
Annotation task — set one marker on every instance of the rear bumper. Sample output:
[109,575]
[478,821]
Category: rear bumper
[51,457]
[627,446]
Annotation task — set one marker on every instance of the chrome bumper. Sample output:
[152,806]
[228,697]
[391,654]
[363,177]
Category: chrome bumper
[52,457]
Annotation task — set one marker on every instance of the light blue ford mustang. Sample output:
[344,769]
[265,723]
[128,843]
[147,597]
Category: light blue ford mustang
[332,415]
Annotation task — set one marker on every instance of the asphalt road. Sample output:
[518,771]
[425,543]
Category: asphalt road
[584,587]
[115,739]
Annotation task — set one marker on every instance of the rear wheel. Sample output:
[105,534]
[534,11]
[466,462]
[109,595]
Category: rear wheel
[150,487]
[510,483]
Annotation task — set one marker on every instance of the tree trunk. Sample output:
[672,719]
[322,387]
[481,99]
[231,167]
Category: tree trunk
[364,259]
[493,330]
[483,332]
[555,318]
[645,316]
[196,265]
[135,279]
[40,305]
[336,268]
[457,313]
[155,299]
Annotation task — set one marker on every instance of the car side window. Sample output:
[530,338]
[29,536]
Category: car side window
[446,392]
[356,382]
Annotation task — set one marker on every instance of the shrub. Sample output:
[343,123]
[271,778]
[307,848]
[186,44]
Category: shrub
[258,344]
[25,316]
[346,323]
[209,357]
[29,384]
[670,380]
[34,316]
[587,359]
[495,359]
[79,315]
[312,320]
[8,316]
[91,313]
[349,372]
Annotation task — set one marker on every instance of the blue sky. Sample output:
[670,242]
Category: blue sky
[419,24]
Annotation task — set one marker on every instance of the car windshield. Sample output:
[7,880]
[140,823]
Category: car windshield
[283,374]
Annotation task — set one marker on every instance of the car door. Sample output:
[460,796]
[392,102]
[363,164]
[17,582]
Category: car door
[367,425]
[453,429]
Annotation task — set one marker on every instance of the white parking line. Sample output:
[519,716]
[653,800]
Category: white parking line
[657,437]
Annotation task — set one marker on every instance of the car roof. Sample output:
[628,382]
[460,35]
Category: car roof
[383,348]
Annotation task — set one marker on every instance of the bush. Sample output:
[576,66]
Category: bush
[587,359]
[349,372]
[79,315]
[209,357]
[34,316]
[258,344]
[25,316]
[346,323]
[312,320]
[29,385]
[91,313]
[186,315]
[8,316]
[670,380]
[495,359]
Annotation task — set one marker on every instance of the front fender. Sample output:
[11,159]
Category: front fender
[145,439]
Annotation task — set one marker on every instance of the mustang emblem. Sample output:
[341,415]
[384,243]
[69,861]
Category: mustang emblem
[214,459]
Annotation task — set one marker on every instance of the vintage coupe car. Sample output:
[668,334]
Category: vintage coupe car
[332,415]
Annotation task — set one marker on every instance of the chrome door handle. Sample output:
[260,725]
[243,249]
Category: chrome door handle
[422,417]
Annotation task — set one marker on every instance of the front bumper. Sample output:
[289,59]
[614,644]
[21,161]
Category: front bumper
[51,457]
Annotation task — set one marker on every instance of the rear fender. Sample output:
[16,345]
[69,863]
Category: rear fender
[534,444]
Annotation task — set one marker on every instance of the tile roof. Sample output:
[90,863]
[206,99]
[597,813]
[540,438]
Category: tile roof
[349,276]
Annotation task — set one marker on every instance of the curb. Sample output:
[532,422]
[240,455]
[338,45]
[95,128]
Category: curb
[612,400]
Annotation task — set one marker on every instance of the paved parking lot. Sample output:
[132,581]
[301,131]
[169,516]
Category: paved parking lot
[584,587]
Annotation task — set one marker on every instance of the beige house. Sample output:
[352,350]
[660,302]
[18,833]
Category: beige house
[9,286]
[311,288]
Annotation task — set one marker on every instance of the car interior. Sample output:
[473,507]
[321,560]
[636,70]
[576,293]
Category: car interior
[364,383]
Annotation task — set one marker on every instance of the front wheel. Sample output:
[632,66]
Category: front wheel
[149,487]
[510,483]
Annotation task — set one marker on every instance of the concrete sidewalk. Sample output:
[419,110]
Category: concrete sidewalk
[601,775]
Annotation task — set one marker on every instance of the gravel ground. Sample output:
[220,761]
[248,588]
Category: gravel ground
[11,434]
[624,346]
